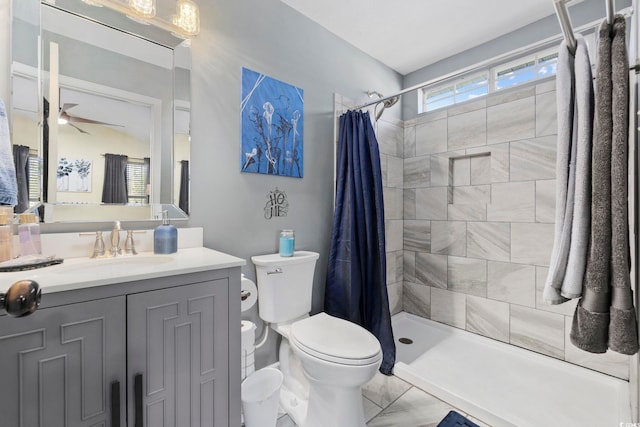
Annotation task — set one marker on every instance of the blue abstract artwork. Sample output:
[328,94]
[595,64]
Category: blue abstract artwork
[272,126]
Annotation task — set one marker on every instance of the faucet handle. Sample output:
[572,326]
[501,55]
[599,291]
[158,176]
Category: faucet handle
[98,246]
[129,245]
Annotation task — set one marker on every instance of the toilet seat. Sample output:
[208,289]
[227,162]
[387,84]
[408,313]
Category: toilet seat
[335,340]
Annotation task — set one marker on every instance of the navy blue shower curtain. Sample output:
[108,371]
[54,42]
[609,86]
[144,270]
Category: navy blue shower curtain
[356,288]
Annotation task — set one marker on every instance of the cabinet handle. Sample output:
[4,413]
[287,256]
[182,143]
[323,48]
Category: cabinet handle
[137,390]
[22,298]
[115,404]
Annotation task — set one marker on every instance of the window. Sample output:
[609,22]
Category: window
[137,173]
[35,163]
[503,76]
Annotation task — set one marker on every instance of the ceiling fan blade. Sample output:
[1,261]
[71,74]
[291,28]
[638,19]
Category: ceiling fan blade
[79,130]
[89,121]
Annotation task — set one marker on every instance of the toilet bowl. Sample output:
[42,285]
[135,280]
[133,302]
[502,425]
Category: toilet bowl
[325,360]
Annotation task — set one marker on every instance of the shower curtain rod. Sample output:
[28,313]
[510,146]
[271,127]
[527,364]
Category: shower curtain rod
[626,12]
[562,13]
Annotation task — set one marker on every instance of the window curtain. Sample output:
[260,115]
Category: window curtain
[21,163]
[356,288]
[183,203]
[114,188]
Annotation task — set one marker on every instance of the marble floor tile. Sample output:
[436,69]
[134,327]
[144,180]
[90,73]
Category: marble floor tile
[537,331]
[488,318]
[467,275]
[409,266]
[531,243]
[567,308]
[431,269]
[384,389]
[512,202]
[546,114]
[417,172]
[395,172]
[448,307]
[370,409]
[409,205]
[415,408]
[431,203]
[409,149]
[393,202]
[489,240]
[449,237]
[285,421]
[513,283]
[417,235]
[431,137]
[611,363]
[546,201]
[467,130]
[478,422]
[511,121]
[393,234]
[533,159]
[416,299]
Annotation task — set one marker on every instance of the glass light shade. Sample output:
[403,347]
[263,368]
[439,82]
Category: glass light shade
[143,8]
[187,17]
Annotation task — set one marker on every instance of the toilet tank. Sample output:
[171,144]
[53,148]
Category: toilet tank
[284,285]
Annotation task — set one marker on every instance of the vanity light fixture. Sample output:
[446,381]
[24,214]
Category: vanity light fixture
[184,24]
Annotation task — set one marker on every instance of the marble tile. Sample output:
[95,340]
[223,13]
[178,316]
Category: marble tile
[393,203]
[533,159]
[390,138]
[417,235]
[395,172]
[409,266]
[383,389]
[467,130]
[512,283]
[409,149]
[467,212]
[480,170]
[393,235]
[537,330]
[370,409]
[531,243]
[546,201]
[512,202]
[449,237]
[431,269]
[477,421]
[567,309]
[415,408]
[499,154]
[510,95]
[431,116]
[431,137]
[488,318]
[394,266]
[547,86]
[431,203]
[467,275]
[285,421]
[610,363]
[466,107]
[511,121]
[441,168]
[394,294]
[473,194]
[448,307]
[417,172]
[546,114]
[383,169]
[461,173]
[489,240]
[409,208]
[416,299]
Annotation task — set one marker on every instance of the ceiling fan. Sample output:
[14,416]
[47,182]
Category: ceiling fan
[65,118]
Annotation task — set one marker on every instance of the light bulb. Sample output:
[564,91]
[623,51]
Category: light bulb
[143,8]
[62,121]
[187,17]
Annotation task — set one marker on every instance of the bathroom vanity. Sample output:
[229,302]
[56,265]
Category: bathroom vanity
[147,340]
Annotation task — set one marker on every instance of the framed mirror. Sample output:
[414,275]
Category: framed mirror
[100,110]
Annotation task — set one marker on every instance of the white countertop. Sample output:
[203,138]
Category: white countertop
[82,273]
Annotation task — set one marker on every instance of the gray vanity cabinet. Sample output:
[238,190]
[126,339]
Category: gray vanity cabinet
[176,350]
[60,365]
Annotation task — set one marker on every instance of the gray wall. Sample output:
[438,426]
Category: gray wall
[581,14]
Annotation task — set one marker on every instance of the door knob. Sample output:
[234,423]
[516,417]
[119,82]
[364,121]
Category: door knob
[22,298]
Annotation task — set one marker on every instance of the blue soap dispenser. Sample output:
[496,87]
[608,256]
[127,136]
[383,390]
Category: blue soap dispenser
[165,237]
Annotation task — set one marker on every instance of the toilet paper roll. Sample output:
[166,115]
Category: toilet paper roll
[249,293]
[248,336]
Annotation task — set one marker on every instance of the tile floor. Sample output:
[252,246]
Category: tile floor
[392,402]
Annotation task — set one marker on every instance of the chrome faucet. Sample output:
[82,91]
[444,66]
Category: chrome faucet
[115,240]
[98,246]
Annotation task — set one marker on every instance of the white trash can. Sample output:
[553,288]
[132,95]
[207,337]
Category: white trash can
[260,397]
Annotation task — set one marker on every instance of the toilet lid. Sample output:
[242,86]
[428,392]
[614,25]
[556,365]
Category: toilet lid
[336,340]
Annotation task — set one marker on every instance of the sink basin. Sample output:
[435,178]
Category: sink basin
[130,263]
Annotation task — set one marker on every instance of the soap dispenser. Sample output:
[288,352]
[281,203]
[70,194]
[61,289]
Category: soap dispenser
[165,237]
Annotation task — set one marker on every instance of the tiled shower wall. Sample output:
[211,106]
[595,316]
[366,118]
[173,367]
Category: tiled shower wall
[479,196]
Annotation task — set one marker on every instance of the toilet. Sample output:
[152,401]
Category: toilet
[325,360]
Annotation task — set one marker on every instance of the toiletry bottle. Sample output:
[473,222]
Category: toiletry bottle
[29,235]
[287,243]
[6,233]
[165,237]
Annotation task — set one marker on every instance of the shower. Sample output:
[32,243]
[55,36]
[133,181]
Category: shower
[390,102]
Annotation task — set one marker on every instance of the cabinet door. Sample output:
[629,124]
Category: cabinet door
[178,340]
[58,365]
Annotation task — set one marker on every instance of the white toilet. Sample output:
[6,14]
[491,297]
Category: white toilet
[325,360]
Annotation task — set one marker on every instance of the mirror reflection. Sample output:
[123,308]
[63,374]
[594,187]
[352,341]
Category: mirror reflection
[112,131]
